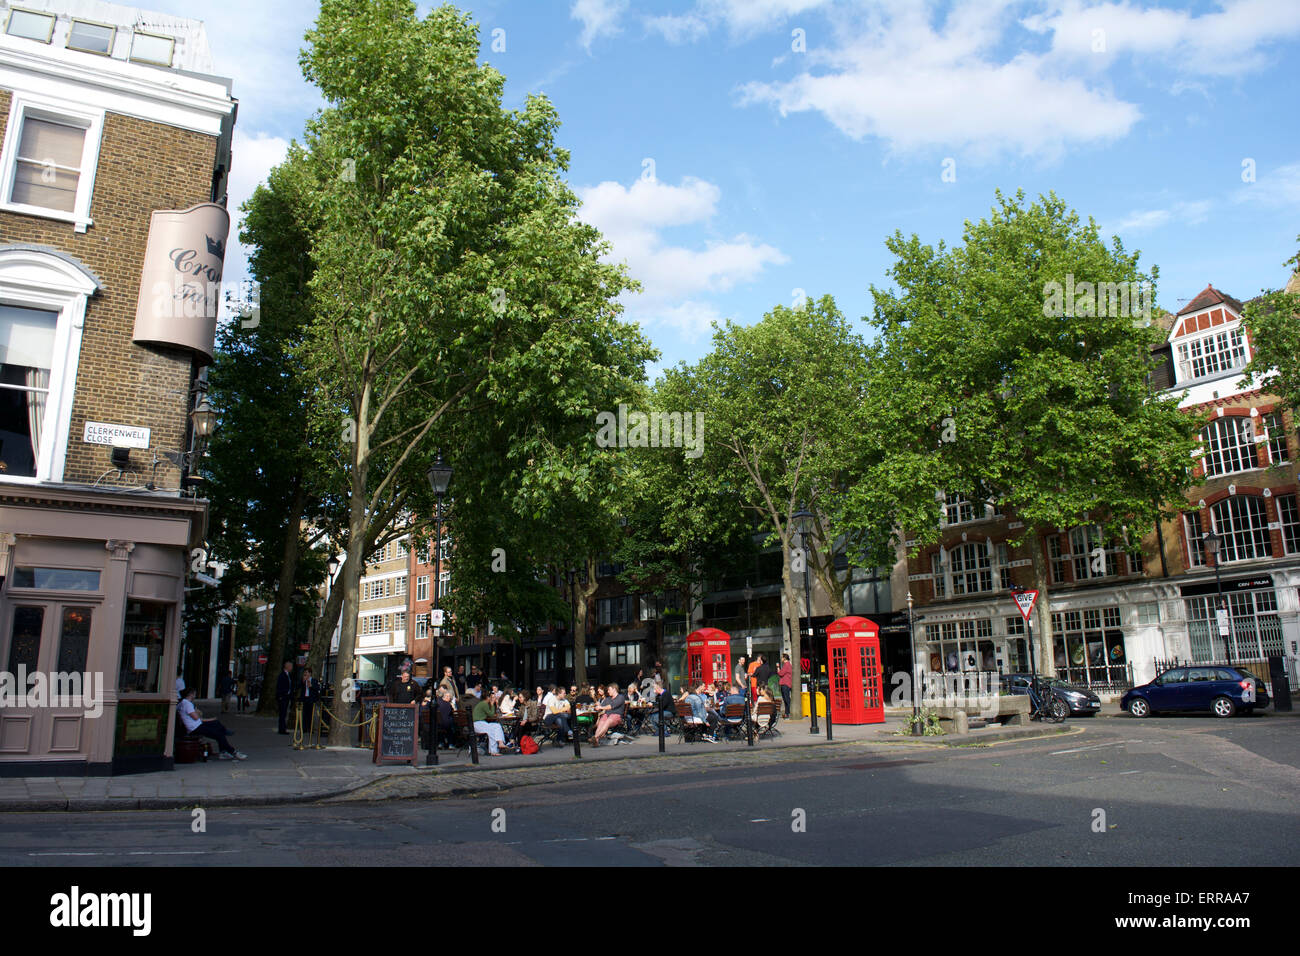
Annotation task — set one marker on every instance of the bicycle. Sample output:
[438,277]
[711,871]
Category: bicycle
[1053,709]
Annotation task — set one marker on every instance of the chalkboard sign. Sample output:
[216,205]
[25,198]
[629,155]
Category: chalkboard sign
[398,734]
[365,735]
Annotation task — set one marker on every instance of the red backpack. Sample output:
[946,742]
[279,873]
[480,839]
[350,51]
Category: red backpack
[528,745]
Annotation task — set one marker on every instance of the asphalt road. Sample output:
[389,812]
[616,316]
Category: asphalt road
[1174,791]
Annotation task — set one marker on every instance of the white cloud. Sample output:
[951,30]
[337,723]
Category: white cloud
[691,318]
[633,218]
[1223,42]
[679,29]
[1186,213]
[742,18]
[599,18]
[1280,187]
[916,86]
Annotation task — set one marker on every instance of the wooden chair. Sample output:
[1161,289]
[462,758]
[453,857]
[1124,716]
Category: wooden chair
[690,728]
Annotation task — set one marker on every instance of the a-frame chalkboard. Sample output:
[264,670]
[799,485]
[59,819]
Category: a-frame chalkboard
[397,737]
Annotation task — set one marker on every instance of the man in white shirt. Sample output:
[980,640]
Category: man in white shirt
[557,711]
[195,724]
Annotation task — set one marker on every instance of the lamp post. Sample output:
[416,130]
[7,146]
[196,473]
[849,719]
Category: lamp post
[803,520]
[911,647]
[1212,540]
[439,475]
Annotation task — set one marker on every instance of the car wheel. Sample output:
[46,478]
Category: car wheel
[1223,707]
[1137,707]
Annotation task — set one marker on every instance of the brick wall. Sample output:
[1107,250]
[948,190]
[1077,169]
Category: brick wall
[142,167]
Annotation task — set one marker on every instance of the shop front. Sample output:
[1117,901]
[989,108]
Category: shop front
[91,599]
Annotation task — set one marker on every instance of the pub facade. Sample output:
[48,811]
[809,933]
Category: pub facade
[114,154]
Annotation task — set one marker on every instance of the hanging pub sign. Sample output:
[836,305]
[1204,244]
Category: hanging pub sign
[180,283]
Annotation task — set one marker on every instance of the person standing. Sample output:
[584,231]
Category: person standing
[785,675]
[461,686]
[448,683]
[308,695]
[225,688]
[404,690]
[284,694]
[740,675]
[762,673]
[241,693]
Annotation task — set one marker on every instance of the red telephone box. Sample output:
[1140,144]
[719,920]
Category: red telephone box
[853,646]
[708,657]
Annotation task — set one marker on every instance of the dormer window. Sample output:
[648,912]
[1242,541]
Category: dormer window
[152,48]
[91,37]
[30,25]
[1212,354]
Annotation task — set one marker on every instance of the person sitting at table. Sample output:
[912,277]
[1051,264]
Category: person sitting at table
[633,693]
[484,712]
[558,712]
[540,696]
[701,712]
[659,697]
[730,725]
[446,717]
[586,699]
[530,716]
[611,713]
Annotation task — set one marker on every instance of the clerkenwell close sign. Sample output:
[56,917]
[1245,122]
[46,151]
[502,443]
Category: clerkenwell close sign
[180,284]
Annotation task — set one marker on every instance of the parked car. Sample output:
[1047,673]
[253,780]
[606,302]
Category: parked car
[1081,701]
[1223,691]
[367,688]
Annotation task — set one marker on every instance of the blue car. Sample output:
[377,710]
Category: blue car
[1219,690]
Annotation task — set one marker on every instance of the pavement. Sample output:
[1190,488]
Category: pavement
[275,773]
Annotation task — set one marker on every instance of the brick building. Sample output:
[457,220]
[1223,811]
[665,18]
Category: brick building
[113,165]
[1113,614]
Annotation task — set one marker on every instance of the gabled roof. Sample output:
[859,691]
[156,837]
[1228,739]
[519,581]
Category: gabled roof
[1210,296]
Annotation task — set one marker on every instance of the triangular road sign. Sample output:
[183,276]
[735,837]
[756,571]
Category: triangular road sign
[1025,601]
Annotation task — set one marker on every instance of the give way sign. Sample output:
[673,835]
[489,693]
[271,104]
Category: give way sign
[1025,601]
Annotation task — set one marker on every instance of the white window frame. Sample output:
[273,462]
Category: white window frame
[422,588]
[39,13]
[1288,515]
[112,35]
[56,111]
[33,279]
[1228,441]
[1242,541]
[1215,347]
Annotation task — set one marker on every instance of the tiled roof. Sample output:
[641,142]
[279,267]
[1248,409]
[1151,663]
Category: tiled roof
[1210,296]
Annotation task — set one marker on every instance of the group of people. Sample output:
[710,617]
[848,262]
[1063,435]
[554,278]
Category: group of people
[758,676]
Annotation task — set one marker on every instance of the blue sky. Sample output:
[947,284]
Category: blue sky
[738,151]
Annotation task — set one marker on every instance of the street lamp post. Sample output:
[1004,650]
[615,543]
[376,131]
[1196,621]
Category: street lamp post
[1212,540]
[439,475]
[911,647]
[804,520]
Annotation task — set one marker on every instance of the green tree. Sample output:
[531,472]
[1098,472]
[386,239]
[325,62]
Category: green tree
[1273,321]
[453,290]
[779,400]
[264,491]
[1005,391]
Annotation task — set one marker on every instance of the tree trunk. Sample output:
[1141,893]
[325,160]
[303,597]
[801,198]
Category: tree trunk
[275,654]
[585,591]
[320,647]
[353,564]
[1042,610]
